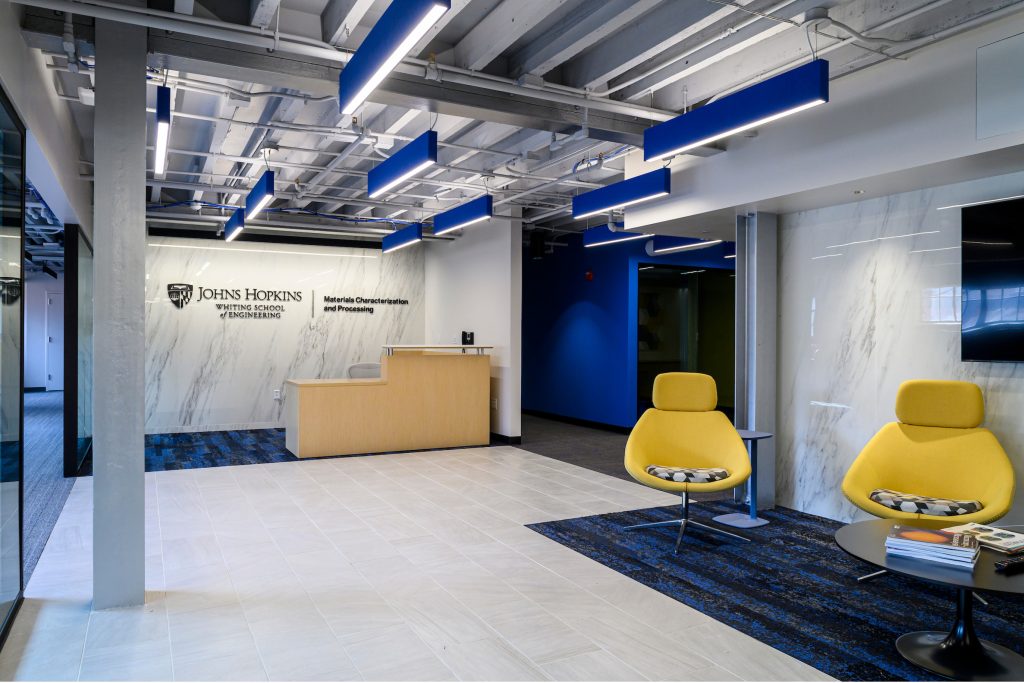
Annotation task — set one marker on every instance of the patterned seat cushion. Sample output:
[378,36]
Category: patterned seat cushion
[692,475]
[924,505]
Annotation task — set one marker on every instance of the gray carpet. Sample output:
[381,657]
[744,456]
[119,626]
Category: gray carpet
[595,449]
[601,450]
[46,489]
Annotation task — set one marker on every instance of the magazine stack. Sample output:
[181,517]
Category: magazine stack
[938,546]
[1008,542]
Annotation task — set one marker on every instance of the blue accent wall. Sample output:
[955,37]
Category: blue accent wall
[579,335]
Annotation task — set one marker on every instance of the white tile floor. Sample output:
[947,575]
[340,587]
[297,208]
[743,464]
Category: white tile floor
[395,567]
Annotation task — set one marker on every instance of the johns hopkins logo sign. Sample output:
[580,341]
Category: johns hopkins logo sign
[252,303]
[243,303]
[179,294]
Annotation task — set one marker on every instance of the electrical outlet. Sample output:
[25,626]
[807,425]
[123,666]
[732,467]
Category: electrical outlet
[277,394]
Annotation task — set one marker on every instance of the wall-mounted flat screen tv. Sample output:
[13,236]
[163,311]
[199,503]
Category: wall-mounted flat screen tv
[992,268]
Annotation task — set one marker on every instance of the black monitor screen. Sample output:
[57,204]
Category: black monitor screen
[992,326]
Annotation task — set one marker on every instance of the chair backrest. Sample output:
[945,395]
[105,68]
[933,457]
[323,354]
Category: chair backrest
[683,429]
[364,371]
[937,448]
[688,392]
[940,403]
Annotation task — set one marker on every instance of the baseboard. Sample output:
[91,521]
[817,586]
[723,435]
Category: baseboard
[578,422]
[506,440]
[32,390]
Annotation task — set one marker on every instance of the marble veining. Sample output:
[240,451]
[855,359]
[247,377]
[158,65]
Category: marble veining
[205,372]
[867,295]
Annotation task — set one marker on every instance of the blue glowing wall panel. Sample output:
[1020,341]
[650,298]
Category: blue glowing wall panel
[400,239]
[581,335]
[624,193]
[796,89]
[378,49]
[406,162]
[471,212]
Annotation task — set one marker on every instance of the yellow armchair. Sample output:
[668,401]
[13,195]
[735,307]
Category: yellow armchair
[683,445]
[936,462]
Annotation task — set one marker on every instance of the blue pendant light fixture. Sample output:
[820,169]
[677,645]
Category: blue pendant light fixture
[795,90]
[235,225]
[603,234]
[624,193]
[417,155]
[464,215]
[163,128]
[400,239]
[666,244]
[260,195]
[397,31]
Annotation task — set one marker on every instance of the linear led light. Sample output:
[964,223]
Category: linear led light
[464,215]
[730,250]
[624,193]
[394,35]
[163,128]
[788,93]
[603,234]
[235,225]
[260,195]
[416,156]
[258,251]
[400,239]
[980,202]
[665,244]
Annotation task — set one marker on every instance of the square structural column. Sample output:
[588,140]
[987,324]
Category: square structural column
[757,239]
[119,314]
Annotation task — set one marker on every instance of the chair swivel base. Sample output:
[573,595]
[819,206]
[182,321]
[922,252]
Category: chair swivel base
[685,523]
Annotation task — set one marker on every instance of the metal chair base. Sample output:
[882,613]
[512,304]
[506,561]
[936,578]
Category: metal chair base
[683,523]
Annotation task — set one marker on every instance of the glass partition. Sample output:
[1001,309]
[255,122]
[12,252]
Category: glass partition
[12,205]
[84,350]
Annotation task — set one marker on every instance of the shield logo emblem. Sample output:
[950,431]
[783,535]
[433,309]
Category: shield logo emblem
[179,294]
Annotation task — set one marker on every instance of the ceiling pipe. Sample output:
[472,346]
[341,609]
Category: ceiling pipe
[300,45]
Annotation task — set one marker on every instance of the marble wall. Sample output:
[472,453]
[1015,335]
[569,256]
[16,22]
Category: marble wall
[211,365]
[869,297]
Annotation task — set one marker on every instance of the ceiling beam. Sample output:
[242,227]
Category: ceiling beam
[341,17]
[233,62]
[262,12]
[734,44]
[642,40]
[503,26]
[587,25]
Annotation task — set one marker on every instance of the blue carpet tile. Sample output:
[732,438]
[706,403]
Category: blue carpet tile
[792,588]
[215,449]
[209,449]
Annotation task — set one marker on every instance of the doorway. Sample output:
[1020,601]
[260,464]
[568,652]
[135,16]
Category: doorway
[54,341]
[686,323]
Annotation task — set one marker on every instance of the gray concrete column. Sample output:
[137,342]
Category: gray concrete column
[757,238]
[119,525]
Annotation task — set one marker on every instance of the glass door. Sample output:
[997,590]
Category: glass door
[12,211]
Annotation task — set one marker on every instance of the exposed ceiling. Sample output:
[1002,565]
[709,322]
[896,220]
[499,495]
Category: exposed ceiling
[533,100]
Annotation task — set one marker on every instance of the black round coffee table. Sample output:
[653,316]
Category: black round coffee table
[959,654]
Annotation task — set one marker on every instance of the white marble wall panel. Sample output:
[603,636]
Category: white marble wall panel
[868,298]
[205,373]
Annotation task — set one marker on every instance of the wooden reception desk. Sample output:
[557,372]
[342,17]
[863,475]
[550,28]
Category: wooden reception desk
[427,397]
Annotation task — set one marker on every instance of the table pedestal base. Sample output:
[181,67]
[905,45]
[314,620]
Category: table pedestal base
[960,654]
[740,520]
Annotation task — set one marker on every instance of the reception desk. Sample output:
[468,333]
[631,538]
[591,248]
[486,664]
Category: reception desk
[426,398]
